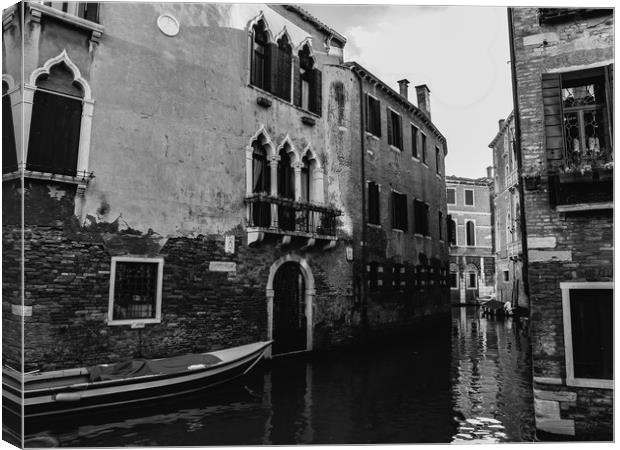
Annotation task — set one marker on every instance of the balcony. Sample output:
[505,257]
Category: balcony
[81,15]
[585,189]
[290,219]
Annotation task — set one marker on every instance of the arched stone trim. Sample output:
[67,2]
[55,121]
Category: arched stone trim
[253,22]
[454,267]
[263,137]
[87,114]
[8,79]
[309,296]
[317,175]
[281,33]
[287,142]
[471,268]
[64,58]
[306,42]
[311,155]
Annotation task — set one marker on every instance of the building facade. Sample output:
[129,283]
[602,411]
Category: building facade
[562,62]
[192,179]
[509,285]
[470,225]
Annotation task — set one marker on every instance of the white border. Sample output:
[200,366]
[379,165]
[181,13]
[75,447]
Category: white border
[160,274]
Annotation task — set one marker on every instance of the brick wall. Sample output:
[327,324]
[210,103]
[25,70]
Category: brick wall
[561,247]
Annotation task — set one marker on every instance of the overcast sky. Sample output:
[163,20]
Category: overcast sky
[460,52]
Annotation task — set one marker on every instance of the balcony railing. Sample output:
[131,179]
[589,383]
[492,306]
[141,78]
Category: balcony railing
[285,216]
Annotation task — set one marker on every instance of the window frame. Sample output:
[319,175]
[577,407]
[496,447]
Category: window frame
[415,145]
[457,278]
[373,128]
[158,300]
[473,197]
[376,212]
[396,123]
[419,204]
[468,278]
[423,145]
[571,380]
[455,197]
[404,215]
[506,275]
[437,160]
[467,244]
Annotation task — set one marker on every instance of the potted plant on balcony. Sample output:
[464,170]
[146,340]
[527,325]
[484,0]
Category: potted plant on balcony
[605,173]
[576,174]
[532,177]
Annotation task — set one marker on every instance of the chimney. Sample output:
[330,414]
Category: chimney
[424,98]
[404,88]
[501,124]
[490,172]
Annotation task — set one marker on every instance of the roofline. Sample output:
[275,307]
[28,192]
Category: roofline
[316,22]
[483,181]
[502,129]
[365,73]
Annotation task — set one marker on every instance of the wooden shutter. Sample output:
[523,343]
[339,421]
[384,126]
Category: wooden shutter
[368,106]
[284,75]
[609,100]
[296,82]
[390,135]
[271,65]
[316,88]
[54,134]
[9,150]
[554,130]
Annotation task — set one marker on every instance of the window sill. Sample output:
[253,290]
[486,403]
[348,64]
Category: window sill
[398,230]
[271,96]
[372,136]
[584,207]
[136,323]
[415,158]
[37,10]
[374,225]
[424,164]
[394,148]
[81,181]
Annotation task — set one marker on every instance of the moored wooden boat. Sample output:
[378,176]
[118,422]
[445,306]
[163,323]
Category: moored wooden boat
[88,388]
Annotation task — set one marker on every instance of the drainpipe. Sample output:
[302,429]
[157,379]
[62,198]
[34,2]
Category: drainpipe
[363,287]
[516,118]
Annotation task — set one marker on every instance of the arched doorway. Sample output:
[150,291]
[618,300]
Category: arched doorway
[289,309]
[290,295]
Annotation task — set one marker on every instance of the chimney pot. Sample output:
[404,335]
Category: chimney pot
[490,172]
[404,88]
[424,98]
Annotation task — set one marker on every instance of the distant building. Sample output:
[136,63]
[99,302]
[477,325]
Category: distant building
[562,62]
[203,175]
[507,211]
[470,225]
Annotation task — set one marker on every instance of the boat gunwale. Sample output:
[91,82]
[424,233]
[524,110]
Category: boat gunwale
[86,386]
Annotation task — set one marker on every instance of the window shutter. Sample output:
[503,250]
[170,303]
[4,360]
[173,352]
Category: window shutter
[296,82]
[368,112]
[609,92]
[91,11]
[9,151]
[283,75]
[554,132]
[316,92]
[390,132]
[271,65]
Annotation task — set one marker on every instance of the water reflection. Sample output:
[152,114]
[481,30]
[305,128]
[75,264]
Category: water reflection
[470,384]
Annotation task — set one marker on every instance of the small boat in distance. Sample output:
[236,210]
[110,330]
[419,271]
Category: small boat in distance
[110,385]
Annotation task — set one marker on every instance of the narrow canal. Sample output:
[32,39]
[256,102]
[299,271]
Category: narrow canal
[473,385]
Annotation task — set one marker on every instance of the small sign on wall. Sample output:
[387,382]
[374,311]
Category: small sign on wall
[20,310]
[349,251]
[222,266]
[229,244]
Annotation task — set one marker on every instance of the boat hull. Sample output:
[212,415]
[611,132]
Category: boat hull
[115,393]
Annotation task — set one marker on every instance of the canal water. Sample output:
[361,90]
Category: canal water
[471,386]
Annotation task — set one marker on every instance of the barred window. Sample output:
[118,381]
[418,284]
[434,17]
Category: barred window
[135,290]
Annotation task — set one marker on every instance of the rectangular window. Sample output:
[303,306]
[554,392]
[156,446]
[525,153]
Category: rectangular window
[506,275]
[472,280]
[420,211]
[398,277]
[437,160]
[423,149]
[399,211]
[395,133]
[451,226]
[588,333]
[469,197]
[373,203]
[414,141]
[440,225]
[454,280]
[135,290]
[373,116]
[451,196]
[373,276]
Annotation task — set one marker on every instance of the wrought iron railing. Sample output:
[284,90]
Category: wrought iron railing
[290,216]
